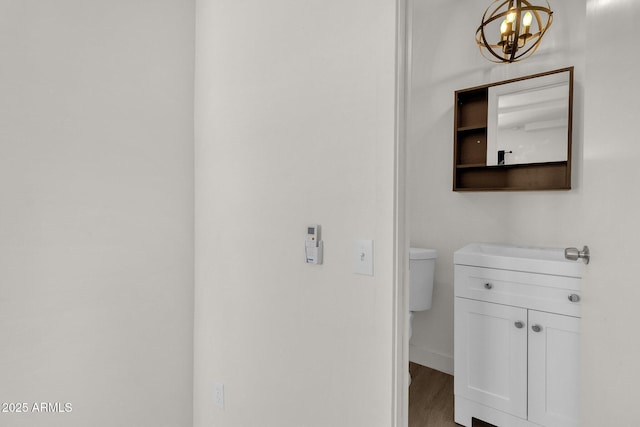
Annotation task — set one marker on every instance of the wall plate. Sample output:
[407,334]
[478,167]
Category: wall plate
[363,257]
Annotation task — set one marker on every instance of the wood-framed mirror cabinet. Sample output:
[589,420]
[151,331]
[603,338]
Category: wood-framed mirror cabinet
[514,135]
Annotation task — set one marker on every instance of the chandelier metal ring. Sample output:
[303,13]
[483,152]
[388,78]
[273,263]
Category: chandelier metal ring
[516,40]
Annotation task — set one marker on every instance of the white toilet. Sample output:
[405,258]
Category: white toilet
[421,271]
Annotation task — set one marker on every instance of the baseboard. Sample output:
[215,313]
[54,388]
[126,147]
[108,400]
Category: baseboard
[431,359]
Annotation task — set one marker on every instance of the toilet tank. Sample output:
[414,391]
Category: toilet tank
[421,272]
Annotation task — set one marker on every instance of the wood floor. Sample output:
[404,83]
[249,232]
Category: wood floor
[431,399]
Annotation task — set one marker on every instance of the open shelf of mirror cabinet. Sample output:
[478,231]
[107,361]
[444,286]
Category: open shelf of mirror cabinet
[529,106]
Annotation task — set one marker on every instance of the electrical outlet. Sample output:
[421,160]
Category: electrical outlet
[218,394]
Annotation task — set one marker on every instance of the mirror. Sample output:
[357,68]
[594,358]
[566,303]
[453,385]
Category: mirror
[528,120]
[514,135]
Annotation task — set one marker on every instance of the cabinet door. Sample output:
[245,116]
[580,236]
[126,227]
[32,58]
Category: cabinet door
[554,369]
[491,355]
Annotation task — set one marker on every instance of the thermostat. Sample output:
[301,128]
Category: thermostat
[313,245]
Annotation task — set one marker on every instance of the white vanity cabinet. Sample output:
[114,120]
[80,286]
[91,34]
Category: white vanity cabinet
[554,369]
[517,338]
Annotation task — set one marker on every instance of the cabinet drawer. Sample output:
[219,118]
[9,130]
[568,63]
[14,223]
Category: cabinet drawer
[536,291]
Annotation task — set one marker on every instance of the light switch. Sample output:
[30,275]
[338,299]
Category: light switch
[363,257]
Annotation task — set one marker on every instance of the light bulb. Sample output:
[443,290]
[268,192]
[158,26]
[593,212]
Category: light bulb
[503,27]
[511,16]
[526,21]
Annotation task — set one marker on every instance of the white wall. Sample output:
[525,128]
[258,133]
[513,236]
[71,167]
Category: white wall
[295,106]
[96,211]
[444,220]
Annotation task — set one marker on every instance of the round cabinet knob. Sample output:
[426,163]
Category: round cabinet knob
[536,328]
[488,286]
[574,297]
[519,325]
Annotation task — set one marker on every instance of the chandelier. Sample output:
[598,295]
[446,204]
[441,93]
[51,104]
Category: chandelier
[511,30]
